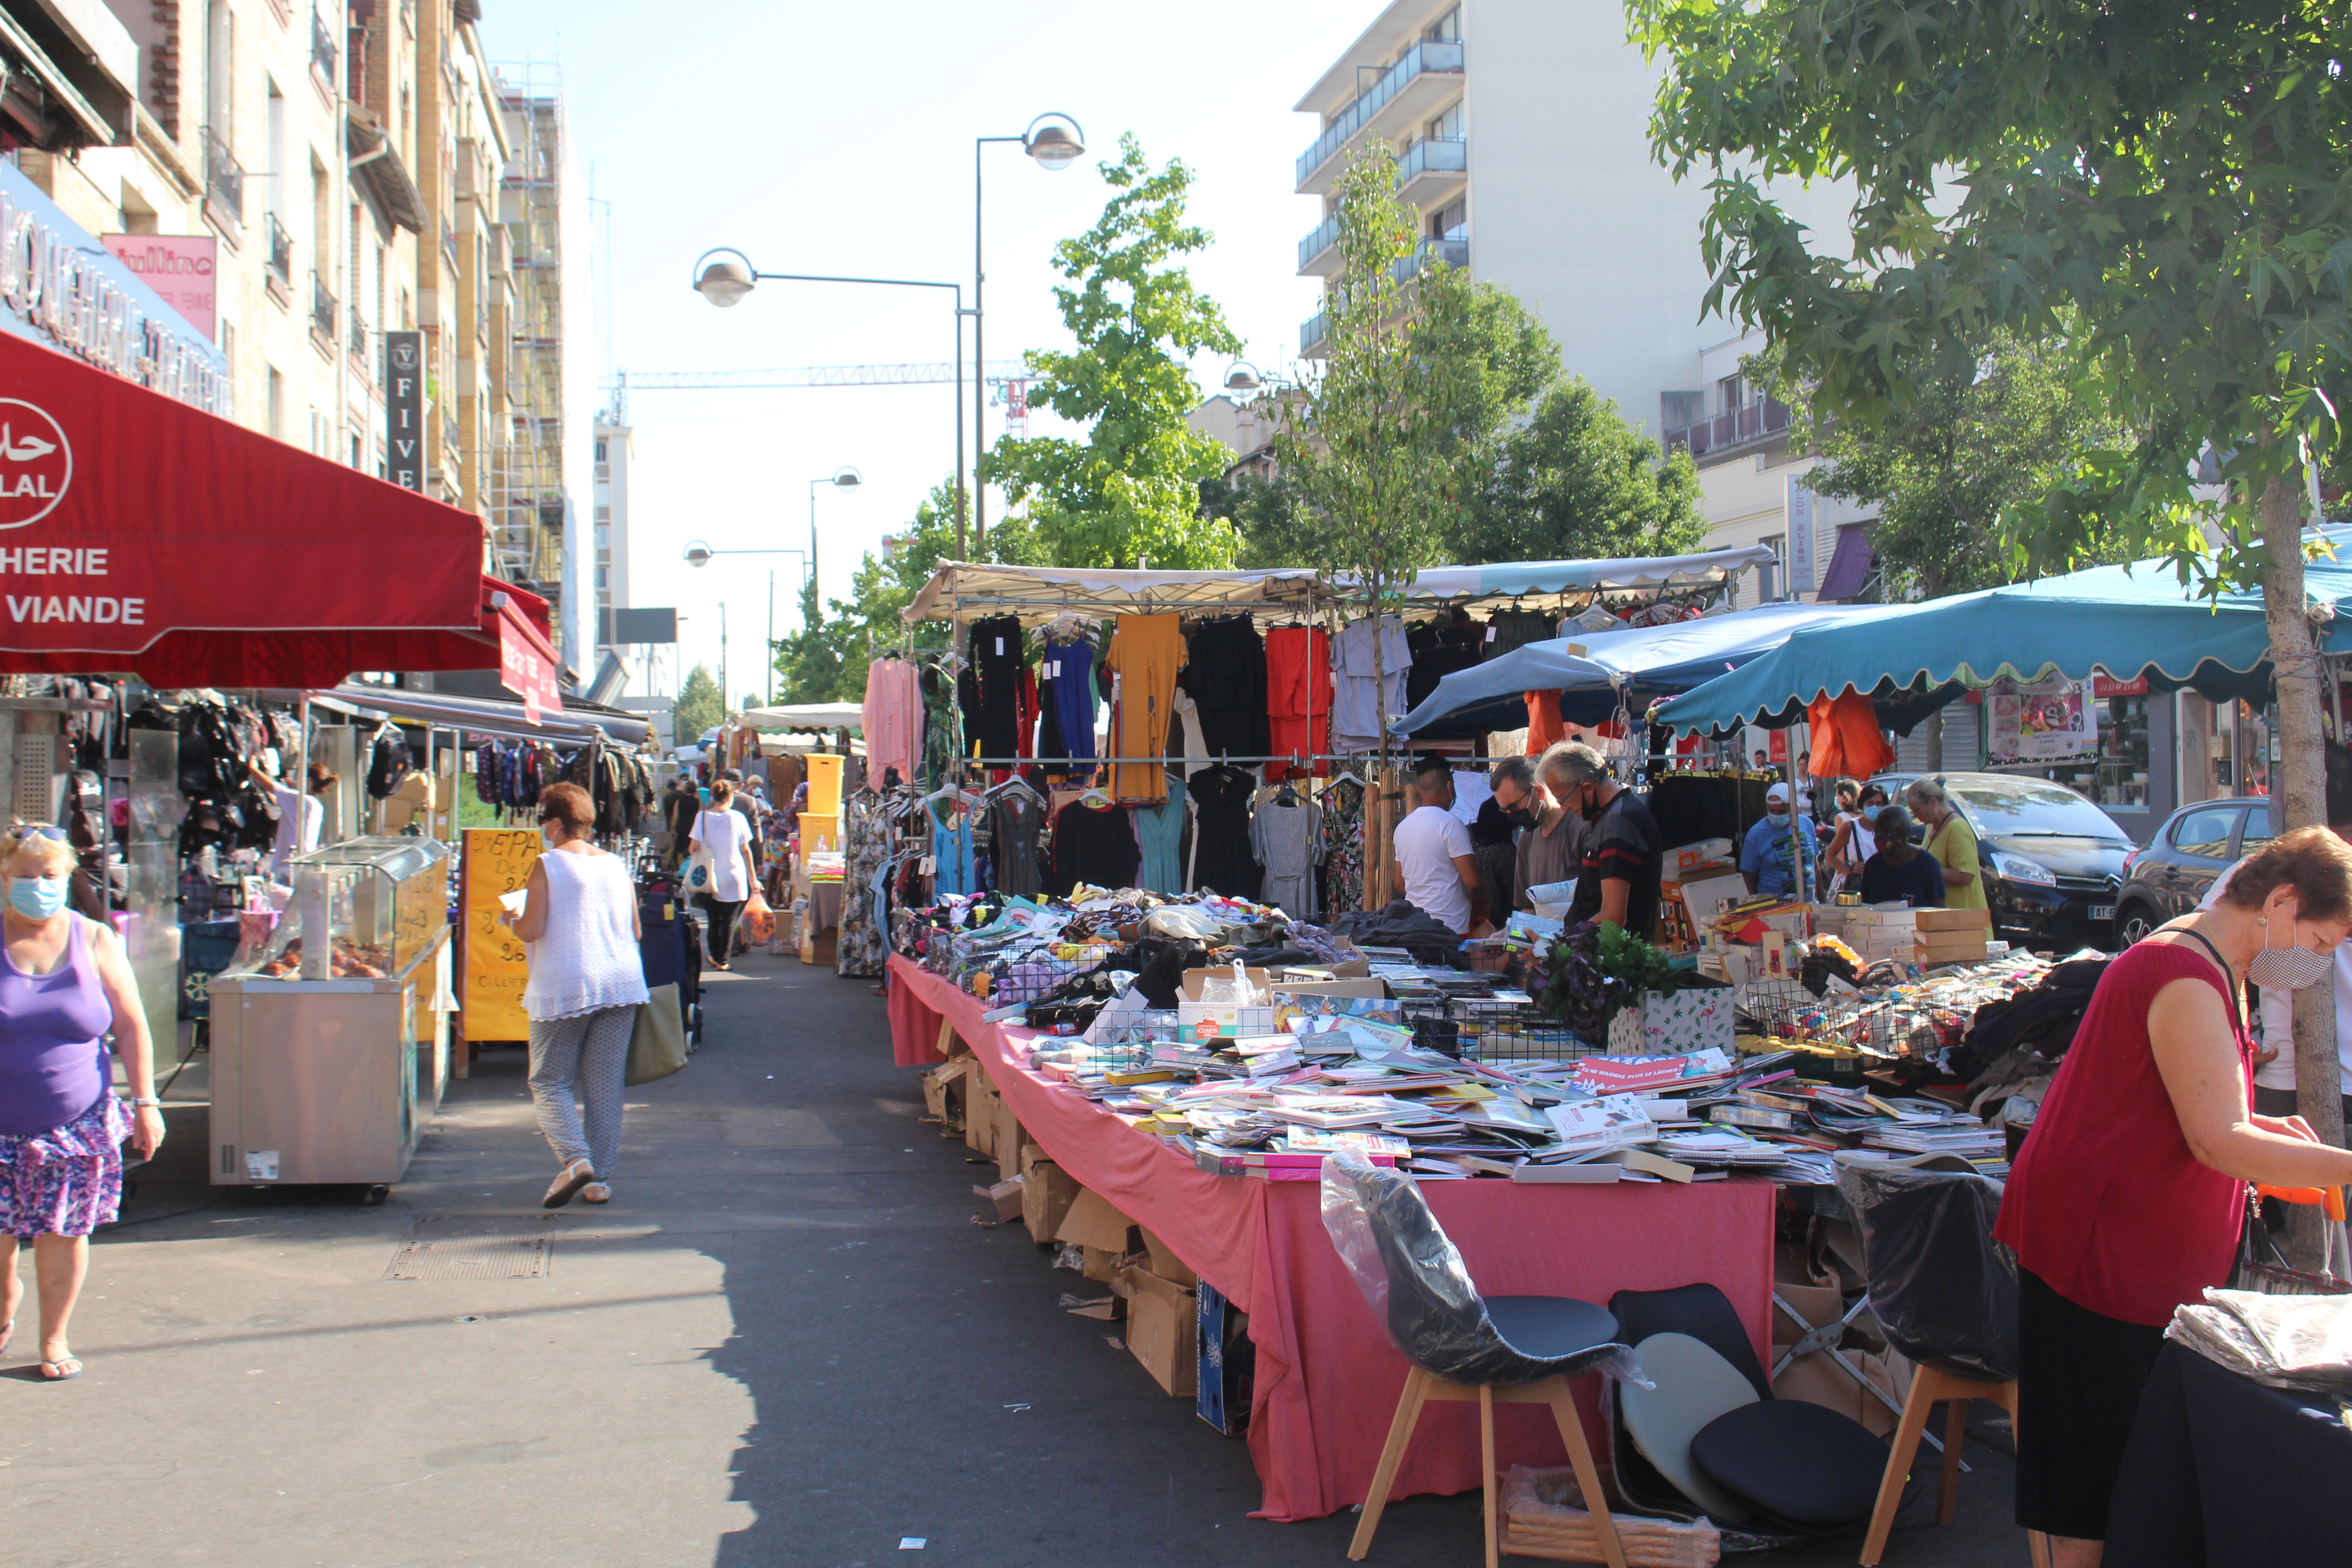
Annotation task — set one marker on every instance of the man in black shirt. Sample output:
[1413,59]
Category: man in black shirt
[679,812]
[1624,856]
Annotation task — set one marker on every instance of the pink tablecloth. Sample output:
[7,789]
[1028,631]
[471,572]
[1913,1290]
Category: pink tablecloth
[1327,1378]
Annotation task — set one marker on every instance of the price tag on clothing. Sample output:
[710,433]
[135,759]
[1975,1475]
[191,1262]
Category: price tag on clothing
[1000,644]
[930,865]
[1490,634]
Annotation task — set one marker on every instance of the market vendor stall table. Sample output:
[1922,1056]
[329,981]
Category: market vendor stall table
[1328,1379]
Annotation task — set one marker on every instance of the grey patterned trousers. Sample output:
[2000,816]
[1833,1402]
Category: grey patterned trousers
[589,1053]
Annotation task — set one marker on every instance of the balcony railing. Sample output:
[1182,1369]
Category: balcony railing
[1452,252]
[1429,58]
[1434,155]
[1311,333]
[322,309]
[282,253]
[223,177]
[1324,237]
[322,46]
[1748,422]
[358,342]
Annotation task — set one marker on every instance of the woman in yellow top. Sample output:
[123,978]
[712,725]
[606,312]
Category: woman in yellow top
[1951,841]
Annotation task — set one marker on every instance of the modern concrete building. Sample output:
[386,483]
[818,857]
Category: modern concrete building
[615,447]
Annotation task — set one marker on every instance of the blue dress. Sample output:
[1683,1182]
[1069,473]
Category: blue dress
[1161,830]
[952,850]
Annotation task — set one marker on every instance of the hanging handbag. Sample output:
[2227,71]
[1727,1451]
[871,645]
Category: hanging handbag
[2261,1266]
[657,1044]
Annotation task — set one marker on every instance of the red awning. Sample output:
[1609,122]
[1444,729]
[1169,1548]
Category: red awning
[137,533]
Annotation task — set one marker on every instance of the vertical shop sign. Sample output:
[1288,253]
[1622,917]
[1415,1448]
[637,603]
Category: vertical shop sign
[496,860]
[1801,540]
[403,409]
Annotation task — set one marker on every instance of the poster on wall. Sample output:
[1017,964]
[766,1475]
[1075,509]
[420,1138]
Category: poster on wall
[2042,721]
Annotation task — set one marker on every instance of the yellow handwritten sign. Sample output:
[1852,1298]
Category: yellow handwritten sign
[496,860]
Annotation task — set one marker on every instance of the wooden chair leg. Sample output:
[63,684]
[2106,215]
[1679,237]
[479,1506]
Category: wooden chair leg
[1956,1431]
[1408,1416]
[1898,1464]
[1588,1474]
[2037,1544]
[1486,1467]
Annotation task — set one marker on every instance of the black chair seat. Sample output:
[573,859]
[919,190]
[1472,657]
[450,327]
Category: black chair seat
[1550,1326]
[1801,1464]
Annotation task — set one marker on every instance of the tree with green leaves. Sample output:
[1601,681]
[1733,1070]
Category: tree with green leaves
[1576,481]
[2163,189]
[1987,431]
[1130,487]
[700,705]
[1380,448]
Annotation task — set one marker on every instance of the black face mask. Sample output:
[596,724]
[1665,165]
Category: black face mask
[1590,807]
[1520,816]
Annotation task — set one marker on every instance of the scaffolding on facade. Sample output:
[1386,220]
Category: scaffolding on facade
[525,495]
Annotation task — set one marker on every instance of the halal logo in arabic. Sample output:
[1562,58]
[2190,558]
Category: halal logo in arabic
[36,463]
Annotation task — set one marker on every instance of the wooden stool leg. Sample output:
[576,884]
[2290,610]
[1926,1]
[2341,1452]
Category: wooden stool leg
[1588,1474]
[1956,1430]
[1487,1465]
[1898,1464]
[2037,1545]
[1408,1415]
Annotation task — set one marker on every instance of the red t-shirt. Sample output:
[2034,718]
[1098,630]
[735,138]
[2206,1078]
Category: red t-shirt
[2107,1204]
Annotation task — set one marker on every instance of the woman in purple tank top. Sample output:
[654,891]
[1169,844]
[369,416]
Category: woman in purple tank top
[64,983]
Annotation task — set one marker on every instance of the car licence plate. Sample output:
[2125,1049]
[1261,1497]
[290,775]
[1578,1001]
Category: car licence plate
[2102,911]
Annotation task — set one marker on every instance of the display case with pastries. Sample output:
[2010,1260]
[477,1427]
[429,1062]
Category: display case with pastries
[370,907]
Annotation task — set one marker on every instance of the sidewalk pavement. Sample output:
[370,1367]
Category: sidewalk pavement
[785,1342]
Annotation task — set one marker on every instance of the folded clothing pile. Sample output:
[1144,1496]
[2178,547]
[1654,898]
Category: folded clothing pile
[2281,1342]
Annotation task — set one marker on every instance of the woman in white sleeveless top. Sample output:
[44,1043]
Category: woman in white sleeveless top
[586,984]
[725,834]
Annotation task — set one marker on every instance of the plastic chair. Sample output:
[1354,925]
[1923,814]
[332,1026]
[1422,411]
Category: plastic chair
[1791,1467]
[1946,1296]
[1461,1345]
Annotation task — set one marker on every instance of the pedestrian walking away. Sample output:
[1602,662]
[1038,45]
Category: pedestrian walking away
[587,981]
[65,983]
[725,834]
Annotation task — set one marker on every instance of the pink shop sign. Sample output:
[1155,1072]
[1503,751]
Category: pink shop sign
[179,267]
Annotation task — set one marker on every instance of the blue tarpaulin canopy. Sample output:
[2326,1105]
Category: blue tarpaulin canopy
[1653,661]
[2124,621]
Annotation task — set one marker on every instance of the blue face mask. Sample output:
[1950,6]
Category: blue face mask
[37,898]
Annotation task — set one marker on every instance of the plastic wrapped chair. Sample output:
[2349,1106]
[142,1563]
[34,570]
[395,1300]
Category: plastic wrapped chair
[1946,1296]
[1462,1345]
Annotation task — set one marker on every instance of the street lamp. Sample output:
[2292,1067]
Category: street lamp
[699,555]
[725,276]
[1054,148]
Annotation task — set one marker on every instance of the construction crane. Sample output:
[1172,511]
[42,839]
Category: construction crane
[1009,377]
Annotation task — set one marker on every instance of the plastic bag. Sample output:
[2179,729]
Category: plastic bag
[1944,1293]
[2284,1342]
[1413,1279]
[1183,923]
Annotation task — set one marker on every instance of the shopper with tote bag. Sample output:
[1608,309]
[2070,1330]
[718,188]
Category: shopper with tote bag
[587,987]
[723,835]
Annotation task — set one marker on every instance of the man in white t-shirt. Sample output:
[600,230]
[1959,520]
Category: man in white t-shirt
[301,817]
[1435,869]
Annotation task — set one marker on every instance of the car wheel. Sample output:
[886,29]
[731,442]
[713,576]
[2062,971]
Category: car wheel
[2134,922]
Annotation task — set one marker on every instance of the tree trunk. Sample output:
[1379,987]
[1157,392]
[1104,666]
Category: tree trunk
[2302,800]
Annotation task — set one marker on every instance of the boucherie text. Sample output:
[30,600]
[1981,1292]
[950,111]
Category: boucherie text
[60,561]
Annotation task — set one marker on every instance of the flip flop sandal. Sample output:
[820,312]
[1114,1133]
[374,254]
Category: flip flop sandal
[560,1192]
[7,1332]
[49,1376]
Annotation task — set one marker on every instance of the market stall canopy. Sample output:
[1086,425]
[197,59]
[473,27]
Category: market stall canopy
[138,533]
[1652,662]
[579,724]
[2128,622]
[807,716]
[964,591]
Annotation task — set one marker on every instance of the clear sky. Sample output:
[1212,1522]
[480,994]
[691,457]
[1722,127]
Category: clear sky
[839,140]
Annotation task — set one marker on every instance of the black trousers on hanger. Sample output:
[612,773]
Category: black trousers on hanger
[996,656]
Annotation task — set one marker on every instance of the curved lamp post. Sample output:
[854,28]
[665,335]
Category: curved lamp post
[1055,141]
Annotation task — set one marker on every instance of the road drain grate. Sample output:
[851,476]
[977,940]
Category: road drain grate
[449,1249]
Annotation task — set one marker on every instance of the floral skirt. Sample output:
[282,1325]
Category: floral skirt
[68,1180]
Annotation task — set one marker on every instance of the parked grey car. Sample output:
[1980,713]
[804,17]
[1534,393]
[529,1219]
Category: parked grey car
[2052,862]
[2195,845]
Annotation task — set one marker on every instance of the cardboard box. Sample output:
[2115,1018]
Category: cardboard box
[1163,1330]
[1706,851]
[1979,921]
[1010,1138]
[1228,1363]
[1661,1024]
[1350,969]
[980,1111]
[1047,1191]
[819,948]
[1366,986]
[1002,1199]
[1164,1261]
[1103,1265]
[1208,1022]
[943,1092]
[1092,1222]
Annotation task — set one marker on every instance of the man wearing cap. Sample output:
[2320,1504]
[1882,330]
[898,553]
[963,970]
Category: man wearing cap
[1767,856]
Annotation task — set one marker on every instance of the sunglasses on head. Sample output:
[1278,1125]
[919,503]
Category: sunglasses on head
[38,830]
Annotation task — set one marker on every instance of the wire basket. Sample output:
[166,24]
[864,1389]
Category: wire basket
[1504,1032]
[1885,1025]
